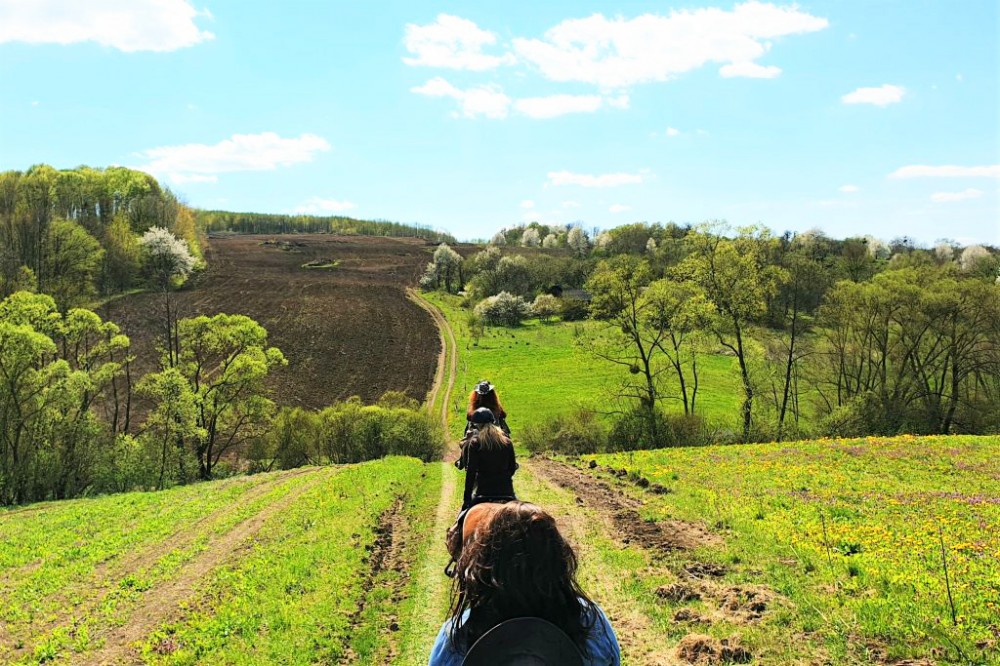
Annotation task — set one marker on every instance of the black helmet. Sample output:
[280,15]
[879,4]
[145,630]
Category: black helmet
[484,387]
[483,415]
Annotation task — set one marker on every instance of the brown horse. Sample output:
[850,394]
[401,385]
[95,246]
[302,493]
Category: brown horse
[477,518]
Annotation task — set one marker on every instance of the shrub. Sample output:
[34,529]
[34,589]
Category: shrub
[545,307]
[504,309]
[631,431]
[573,309]
[576,433]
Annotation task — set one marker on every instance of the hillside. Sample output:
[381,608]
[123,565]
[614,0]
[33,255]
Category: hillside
[345,324]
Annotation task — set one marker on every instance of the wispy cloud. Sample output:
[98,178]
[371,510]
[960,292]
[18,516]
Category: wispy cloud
[945,197]
[200,163]
[527,203]
[619,208]
[946,171]
[487,100]
[126,25]
[452,42]
[884,95]
[849,189]
[591,180]
[318,205]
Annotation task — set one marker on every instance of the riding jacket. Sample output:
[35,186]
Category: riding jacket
[488,472]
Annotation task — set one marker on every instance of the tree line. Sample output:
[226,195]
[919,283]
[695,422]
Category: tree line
[267,223]
[843,337]
[75,233]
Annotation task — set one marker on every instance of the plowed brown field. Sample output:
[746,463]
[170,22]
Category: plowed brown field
[347,330]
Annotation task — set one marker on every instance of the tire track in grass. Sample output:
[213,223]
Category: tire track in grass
[161,602]
[602,576]
[431,588]
[84,596]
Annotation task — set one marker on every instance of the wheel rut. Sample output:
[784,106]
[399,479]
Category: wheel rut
[161,602]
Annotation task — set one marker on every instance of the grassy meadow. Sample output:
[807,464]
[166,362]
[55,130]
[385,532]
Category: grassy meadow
[540,370]
[848,534]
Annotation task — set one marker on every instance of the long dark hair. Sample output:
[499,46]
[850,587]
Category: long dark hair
[518,565]
[490,400]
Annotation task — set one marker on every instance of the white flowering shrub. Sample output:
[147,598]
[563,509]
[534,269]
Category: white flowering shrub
[530,237]
[550,241]
[545,307]
[504,309]
[167,256]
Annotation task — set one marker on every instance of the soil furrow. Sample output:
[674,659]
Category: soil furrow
[386,554]
[622,511]
[161,602]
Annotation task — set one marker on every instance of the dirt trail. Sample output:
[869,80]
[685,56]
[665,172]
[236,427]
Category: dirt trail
[447,365]
[640,641]
[161,602]
[622,511]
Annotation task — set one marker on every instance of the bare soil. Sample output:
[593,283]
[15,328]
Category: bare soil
[346,330]
[663,536]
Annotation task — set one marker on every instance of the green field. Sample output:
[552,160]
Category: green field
[848,535]
[291,568]
[540,371]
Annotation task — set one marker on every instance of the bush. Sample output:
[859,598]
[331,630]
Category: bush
[573,309]
[504,309]
[576,433]
[545,307]
[631,431]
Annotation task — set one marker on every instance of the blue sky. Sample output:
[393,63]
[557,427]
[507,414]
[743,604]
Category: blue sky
[858,117]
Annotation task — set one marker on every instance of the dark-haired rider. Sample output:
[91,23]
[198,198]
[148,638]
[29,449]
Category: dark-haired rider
[485,395]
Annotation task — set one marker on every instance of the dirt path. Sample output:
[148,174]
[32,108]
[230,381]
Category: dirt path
[641,643]
[161,602]
[447,367]
[622,511]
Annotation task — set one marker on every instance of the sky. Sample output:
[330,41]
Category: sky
[857,117]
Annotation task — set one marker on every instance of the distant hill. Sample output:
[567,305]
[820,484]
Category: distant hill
[266,223]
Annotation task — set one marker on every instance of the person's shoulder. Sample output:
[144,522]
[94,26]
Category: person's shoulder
[602,643]
[444,653]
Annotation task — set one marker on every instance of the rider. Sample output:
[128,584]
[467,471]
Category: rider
[485,395]
[519,565]
[488,459]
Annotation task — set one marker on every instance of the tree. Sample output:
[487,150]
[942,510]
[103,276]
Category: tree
[550,241]
[530,237]
[448,264]
[677,313]
[738,278]
[122,256]
[577,241]
[617,287]
[72,263]
[225,359]
[166,259]
[499,239]
[545,307]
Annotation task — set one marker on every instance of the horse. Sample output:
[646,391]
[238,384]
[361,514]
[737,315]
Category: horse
[464,529]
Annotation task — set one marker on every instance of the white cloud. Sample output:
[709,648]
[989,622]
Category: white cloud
[527,203]
[199,162]
[488,100]
[318,205]
[620,102]
[558,105]
[452,42]
[946,171]
[619,208]
[749,70]
[943,197]
[570,204]
[849,189]
[673,131]
[618,52]
[126,25]
[589,180]
[884,95]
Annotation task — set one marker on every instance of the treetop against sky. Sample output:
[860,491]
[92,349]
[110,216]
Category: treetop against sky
[855,116]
